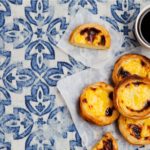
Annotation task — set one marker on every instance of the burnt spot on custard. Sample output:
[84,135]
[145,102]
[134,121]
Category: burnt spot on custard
[143,63]
[107,145]
[91,33]
[102,41]
[147,106]
[137,83]
[93,89]
[127,85]
[111,95]
[123,73]
[109,111]
[147,138]
[84,100]
[86,30]
[90,30]
[136,130]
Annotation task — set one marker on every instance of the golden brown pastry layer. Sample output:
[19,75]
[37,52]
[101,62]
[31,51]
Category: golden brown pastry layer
[132,97]
[96,104]
[136,132]
[90,35]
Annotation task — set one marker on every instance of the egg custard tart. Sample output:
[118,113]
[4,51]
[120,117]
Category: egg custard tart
[90,35]
[96,104]
[131,64]
[107,142]
[132,97]
[136,132]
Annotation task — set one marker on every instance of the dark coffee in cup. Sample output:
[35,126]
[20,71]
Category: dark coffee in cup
[144,27]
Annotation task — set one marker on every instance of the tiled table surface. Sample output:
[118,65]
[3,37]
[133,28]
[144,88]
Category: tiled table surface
[33,115]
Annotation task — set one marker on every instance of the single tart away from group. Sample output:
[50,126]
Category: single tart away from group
[91,35]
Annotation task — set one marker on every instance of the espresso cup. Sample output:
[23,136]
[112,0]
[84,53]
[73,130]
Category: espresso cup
[142,27]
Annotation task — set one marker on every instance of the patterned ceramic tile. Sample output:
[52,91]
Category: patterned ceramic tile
[33,115]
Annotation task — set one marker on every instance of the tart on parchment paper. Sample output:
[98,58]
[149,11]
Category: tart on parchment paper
[136,132]
[132,97]
[90,35]
[107,142]
[96,104]
[131,64]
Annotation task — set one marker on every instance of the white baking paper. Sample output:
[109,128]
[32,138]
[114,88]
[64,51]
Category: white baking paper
[71,88]
[90,57]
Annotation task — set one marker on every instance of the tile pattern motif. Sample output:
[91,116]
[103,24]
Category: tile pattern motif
[32,113]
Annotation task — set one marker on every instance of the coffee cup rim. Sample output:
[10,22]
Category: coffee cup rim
[137,33]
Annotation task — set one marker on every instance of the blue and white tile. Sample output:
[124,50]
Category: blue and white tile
[32,112]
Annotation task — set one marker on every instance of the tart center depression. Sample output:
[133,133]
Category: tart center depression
[99,100]
[136,96]
[140,69]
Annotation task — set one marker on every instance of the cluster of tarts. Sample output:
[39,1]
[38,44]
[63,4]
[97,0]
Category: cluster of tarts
[127,100]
